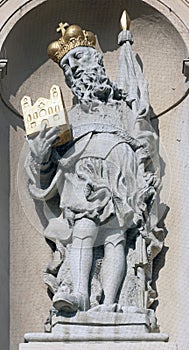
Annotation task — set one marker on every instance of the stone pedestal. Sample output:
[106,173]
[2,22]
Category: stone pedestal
[100,326]
[98,346]
[97,331]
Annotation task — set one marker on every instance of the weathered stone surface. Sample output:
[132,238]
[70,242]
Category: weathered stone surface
[69,333]
[99,346]
[94,326]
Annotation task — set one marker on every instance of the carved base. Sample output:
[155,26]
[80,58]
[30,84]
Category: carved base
[99,346]
[98,326]
[86,333]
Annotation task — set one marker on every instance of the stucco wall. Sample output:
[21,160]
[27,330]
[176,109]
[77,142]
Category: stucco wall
[4,230]
[162,49]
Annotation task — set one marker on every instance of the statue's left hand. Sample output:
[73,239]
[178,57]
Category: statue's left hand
[41,145]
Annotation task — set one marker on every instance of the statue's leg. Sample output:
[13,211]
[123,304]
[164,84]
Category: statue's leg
[81,257]
[113,270]
[84,236]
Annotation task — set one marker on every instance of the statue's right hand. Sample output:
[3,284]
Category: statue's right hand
[41,145]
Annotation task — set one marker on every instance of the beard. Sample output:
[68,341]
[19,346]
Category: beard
[92,87]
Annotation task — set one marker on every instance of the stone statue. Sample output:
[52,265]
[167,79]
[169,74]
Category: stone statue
[99,190]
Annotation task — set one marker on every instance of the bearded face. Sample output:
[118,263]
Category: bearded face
[85,75]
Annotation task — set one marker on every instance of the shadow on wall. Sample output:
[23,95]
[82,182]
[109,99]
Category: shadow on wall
[160,260]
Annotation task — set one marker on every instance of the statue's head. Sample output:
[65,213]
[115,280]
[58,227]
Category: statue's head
[79,61]
[82,65]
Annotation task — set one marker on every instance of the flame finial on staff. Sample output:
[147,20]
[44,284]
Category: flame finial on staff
[125,21]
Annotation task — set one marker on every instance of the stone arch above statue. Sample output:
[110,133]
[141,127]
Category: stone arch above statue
[148,14]
[13,12]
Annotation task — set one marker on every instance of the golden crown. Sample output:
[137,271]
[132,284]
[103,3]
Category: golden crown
[72,36]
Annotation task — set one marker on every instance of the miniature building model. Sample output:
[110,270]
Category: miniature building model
[51,112]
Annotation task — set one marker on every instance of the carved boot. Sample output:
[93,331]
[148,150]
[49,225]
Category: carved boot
[67,302]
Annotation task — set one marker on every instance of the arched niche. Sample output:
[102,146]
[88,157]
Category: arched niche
[162,50]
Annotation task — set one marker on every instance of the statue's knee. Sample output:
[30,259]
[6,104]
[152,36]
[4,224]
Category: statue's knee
[85,229]
[115,239]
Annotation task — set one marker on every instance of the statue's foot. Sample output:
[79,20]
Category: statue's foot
[106,308]
[65,302]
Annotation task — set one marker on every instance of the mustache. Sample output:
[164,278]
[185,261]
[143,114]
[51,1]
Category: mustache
[96,74]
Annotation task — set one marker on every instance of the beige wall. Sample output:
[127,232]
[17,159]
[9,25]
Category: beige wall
[4,230]
[162,48]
